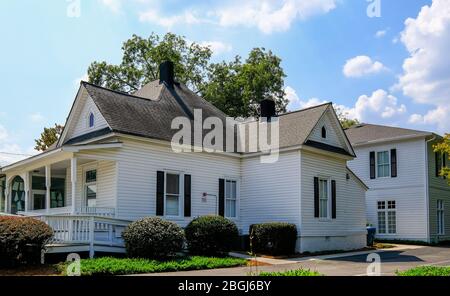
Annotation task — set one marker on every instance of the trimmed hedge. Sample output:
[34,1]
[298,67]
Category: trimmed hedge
[22,240]
[211,236]
[153,238]
[273,238]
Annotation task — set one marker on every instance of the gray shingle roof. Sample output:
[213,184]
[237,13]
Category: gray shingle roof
[149,112]
[365,133]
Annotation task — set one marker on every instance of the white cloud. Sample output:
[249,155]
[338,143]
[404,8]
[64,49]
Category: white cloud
[37,117]
[10,152]
[378,107]
[426,74]
[271,16]
[77,81]
[362,66]
[155,17]
[3,133]
[217,47]
[114,5]
[296,103]
[380,33]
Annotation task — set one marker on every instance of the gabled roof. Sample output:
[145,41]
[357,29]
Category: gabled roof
[149,113]
[367,133]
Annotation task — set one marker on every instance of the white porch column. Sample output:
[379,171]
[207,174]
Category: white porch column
[7,195]
[27,191]
[73,176]
[48,185]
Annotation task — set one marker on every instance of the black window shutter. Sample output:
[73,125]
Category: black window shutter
[222,197]
[333,198]
[372,165]
[437,163]
[393,163]
[187,195]
[160,193]
[316,197]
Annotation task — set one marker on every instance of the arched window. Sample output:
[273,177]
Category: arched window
[324,132]
[91,119]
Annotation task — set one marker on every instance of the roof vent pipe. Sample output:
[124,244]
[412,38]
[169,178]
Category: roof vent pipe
[166,73]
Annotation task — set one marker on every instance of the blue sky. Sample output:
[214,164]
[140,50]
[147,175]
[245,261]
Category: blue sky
[380,70]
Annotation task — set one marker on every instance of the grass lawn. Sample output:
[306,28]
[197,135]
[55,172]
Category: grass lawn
[426,271]
[123,266]
[297,272]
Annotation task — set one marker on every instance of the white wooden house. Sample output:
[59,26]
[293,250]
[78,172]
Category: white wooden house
[114,164]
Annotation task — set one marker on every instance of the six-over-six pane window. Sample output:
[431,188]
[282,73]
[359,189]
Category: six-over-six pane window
[172,194]
[383,165]
[230,198]
[387,217]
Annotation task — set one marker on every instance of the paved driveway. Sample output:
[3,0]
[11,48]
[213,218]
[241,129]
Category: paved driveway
[355,265]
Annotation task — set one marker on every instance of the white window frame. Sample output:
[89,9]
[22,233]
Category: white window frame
[180,194]
[86,169]
[386,212]
[440,216]
[388,164]
[236,198]
[328,217]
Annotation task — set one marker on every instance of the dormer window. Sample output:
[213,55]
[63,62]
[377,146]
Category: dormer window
[324,132]
[91,119]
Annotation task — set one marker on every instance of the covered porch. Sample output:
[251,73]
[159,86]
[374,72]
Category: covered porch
[73,190]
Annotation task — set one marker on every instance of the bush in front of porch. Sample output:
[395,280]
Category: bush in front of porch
[22,240]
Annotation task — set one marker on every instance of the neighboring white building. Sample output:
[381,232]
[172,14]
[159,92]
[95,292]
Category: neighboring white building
[114,164]
[407,199]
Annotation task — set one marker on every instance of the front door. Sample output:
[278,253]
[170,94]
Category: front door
[90,188]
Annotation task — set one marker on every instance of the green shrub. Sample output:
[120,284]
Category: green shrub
[117,266]
[426,271]
[297,272]
[153,238]
[22,240]
[211,235]
[273,238]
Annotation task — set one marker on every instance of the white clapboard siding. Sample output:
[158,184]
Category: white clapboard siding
[271,192]
[106,183]
[333,136]
[407,189]
[80,123]
[138,163]
[350,210]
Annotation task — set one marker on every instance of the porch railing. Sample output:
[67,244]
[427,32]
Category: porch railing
[64,211]
[86,229]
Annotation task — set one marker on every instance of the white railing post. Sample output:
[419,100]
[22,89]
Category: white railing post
[91,237]
[73,176]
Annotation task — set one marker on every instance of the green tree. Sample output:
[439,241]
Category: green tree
[346,122]
[444,148]
[237,88]
[48,137]
[234,87]
[141,59]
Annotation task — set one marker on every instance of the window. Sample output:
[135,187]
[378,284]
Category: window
[383,166]
[172,194]
[91,119]
[2,194]
[324,132]
[440,217]
[230,198]
[441,162]
[323,198]
[91,188]
[387,217]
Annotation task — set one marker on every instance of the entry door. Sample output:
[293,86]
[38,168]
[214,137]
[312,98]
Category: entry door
[39,197]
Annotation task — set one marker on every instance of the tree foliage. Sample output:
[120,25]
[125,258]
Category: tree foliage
[234,87]
[48,137]
[444,148]
[346,122]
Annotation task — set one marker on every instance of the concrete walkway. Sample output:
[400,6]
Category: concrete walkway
[349,264]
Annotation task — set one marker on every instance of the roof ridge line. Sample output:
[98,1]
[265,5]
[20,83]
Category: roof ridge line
[305,109]
[114,91]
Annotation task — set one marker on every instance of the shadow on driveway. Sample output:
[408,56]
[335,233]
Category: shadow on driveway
[388,256]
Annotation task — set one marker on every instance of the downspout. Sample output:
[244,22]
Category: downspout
[427,188]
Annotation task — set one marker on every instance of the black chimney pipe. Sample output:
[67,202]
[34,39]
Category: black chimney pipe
[166,73]
[267,108]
